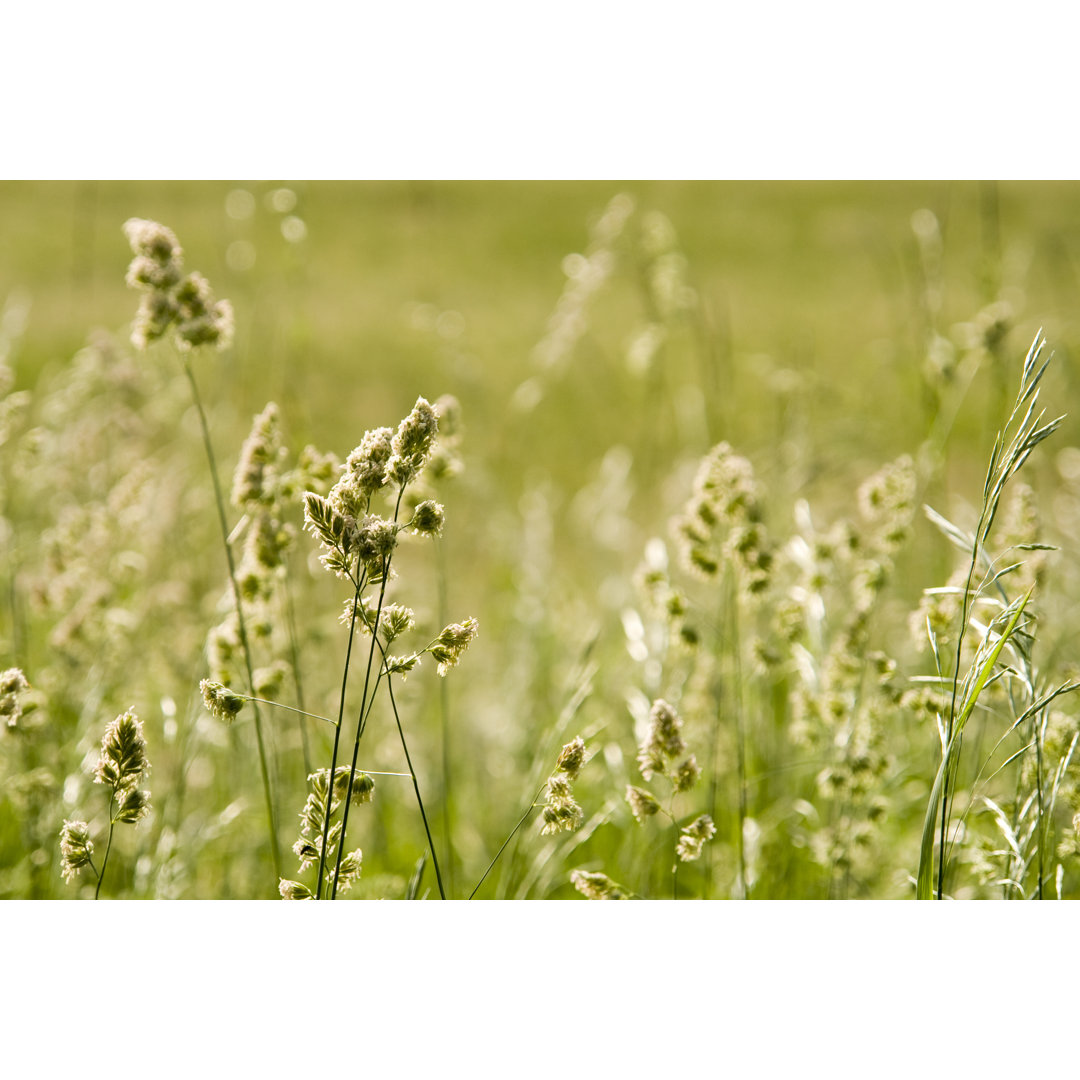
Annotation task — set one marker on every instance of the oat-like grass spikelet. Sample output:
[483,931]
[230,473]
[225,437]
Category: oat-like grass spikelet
[596,886]
[76,848]
[13,688]
[220,701]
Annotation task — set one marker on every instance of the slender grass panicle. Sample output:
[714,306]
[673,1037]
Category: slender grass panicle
[220,701]
[13,687]
[171,301]
[770,706]
[693,837]
[76,848]
[596,886]
[359,547]
[121,766]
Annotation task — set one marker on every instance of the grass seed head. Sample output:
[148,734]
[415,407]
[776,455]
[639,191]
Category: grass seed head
[413,442]
[220,701]
[294,890]
[428,518]
[643,803]
[13,686]
[76,848]
[123,753]
[572,758]
[595,886]
[694,836]
[451,643]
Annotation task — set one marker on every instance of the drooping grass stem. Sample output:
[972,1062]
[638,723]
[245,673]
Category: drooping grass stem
[241,623]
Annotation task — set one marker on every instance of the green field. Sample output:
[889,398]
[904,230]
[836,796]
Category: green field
[600,339]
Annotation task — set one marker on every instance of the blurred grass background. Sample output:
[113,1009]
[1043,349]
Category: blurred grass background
[822,278]
[353,298]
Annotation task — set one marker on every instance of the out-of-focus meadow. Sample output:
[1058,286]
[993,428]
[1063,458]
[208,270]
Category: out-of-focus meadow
[600,340]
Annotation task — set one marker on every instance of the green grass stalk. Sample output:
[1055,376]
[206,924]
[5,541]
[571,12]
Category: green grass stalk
[513,833]
[271,820]
[337,741]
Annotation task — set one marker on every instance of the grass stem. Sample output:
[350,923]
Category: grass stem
[275,850]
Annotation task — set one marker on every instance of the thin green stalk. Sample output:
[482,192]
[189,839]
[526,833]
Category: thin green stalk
[740,746]
[365,703]
[361,723]
[412,771]
[513,833]
[108,847]
[675,851]
[416,785]
[219,499]
[1041,831]
[444,716]
[952,705]
[289,708]
[337,741]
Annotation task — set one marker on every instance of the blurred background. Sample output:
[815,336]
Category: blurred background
[600,338]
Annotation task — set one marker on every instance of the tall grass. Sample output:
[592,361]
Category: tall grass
[745,674]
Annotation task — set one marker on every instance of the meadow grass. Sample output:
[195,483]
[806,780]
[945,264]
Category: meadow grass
[690,530]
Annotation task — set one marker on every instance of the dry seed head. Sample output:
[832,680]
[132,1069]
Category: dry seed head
[323,520]
[363,788]
[148,273]
[643,803]
[134,806]
[428,518]
[563,816]
[401,665]
[13,686]
[412,442]
[365,467]
[261,450]
[562,813]
[451,643]
[123,753]
[687,774]
[596,886]
[887,502]
[376,539]
[306,851]
[559,789]
[76,848]
[350,869]
[294,890]
[152,240]
[220,701]
[571,758]
[694,836]
[396,620]
[202,320]
[157,312]
[663,741]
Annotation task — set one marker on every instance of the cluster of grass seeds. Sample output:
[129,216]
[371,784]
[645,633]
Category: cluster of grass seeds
[757,710]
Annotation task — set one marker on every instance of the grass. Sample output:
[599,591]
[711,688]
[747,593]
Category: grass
[834,338]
